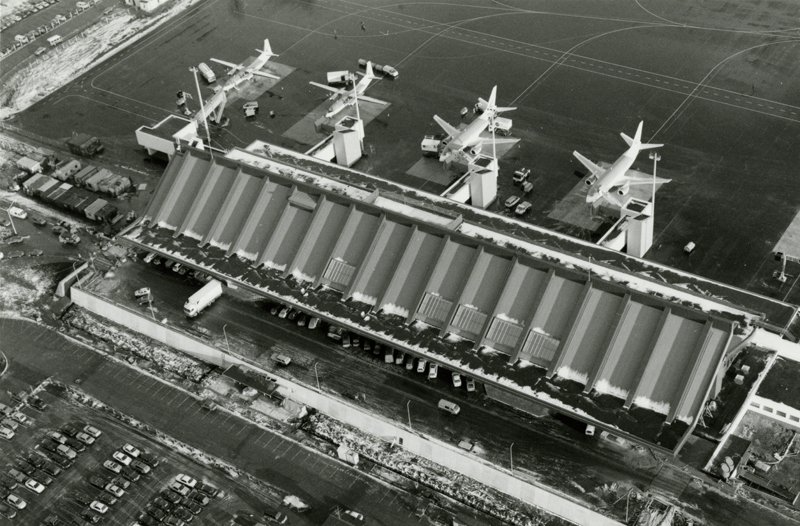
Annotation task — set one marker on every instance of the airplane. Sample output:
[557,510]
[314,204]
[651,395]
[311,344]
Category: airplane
[242,74]
[470,137]
[615,178]
[344,97]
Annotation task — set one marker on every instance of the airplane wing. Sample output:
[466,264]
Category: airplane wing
[265,74]
[325,86]
[631,180]
[451,131]
[370,99]
[593,168]
[229,64]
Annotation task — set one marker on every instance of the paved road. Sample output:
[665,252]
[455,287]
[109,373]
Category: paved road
[36,353]
[554,451]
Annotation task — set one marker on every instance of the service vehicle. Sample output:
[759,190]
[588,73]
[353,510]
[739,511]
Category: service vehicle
[448,406]
[204,297]
[522,208]
[207,72]
[521,175]
[386,70]
[144,291]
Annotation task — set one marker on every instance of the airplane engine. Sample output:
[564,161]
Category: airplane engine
[590,181]
[624,189]
[475,150]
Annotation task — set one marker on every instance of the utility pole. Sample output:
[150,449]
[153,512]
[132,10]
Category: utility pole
[317,375]
[202,106]
[408,408]
[655,157]
[511,456]
[226,338]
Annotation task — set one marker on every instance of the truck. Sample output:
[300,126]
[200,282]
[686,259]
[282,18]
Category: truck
[54,40]
[377,68]
[207,73]
[339,78]
[203,298]
[85,145]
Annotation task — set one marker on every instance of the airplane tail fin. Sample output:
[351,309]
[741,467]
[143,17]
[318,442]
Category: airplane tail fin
[370,74]
[451,130]
[491,105]
[637,139]
[267,49]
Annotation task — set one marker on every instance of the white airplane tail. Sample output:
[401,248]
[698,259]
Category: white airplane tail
[636,142]
[267,49]
[491,104]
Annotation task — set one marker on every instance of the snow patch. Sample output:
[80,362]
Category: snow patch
[194,235]
[604,387]
[396,310]
[490,350]
[646,403]
[571,374]
[273,265]
[299,276]
[363,298]
[522,364]
[506,318]
[454,338]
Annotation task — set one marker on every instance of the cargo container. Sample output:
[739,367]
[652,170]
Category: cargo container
[55,192]
[93,182]
[66,169]
[46,186]
[85,145]
[32,182]
[93,208]
[81,177]
[115,185]
[29,165]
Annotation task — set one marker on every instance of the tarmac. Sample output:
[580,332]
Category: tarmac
[696,75]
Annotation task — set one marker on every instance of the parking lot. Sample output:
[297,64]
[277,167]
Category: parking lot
[83,489]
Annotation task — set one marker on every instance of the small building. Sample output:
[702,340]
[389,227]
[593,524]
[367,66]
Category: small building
[115,185]
[48,155]
[93,182]
[66,169]
[29,165]
[84,174]
[91,211]
[33,182]
[55,192]
[46,185]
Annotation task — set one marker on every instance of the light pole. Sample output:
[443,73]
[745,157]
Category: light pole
[408,408]
[11,219]
[655,157]
[226,338]
[202,107]
[511,456]
[317,375]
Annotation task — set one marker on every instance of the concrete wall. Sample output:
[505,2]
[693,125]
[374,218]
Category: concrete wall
[149,327]
[431,449]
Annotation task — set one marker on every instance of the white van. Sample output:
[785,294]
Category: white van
[450,407]
[18,212]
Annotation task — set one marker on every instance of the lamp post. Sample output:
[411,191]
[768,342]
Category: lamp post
[408,408]
[655,157]
[317,375]
[202,107]
[226,338]
[11,219]
[511,456]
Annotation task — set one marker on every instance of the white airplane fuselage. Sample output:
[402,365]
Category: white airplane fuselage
[612,175]
[468,137]
[346,100]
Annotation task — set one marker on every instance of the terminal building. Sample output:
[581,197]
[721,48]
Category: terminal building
[540,319]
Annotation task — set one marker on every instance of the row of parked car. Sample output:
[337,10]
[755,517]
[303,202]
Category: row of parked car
[35,470]
[177,504]
[292,314]
[10,20]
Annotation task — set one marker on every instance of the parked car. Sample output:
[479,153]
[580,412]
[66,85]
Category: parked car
[56,436]
[114,490]
[165,505]
[171,496]
[16,501]
[186,480]
[93,431]
[36,402]
[421,364]
[112,466]
[173,521]
[470,385]
[82,498]
[121,482]
[34,486]
[456,380]
[199,497]
[6,433]
[51,469]
[75,444]
[20,417]
[7,512]
[62,462]
[179,488]
[122,458]
[433,371]
[85,438]
[512,201]
[98,506]
[522,208]
[183,514]
[130,473]
[42,478]
[149,459]
[141,467]
[131,451]
[157,513]
[208,489]
[66,452]
[70,430]
[11,424]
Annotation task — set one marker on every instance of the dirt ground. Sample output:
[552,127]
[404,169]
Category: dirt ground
[770,438]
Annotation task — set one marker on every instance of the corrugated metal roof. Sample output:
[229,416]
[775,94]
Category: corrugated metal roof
[610,338]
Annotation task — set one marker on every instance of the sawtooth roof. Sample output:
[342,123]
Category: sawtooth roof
[434,284]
